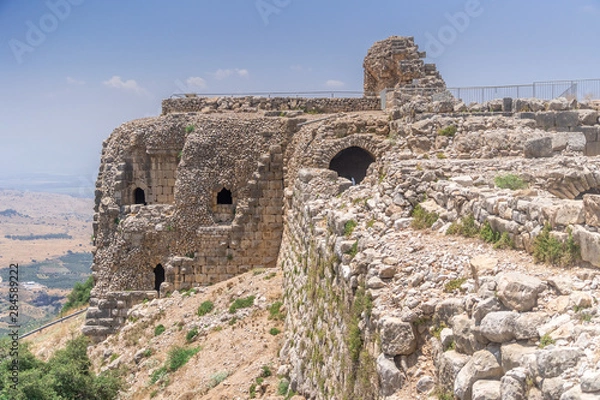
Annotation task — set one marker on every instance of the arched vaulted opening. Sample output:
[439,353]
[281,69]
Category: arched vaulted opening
[159,277]
[224,197]
[352,163]
[139,197]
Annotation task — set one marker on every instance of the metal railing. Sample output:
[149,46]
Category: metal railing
[581,89]
[53,323]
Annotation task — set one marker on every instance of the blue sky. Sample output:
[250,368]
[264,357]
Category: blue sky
[73,70]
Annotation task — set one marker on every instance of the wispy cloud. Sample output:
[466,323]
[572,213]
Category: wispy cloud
[129,85]
[226,73]
[300,68]
[73,81]
[332,83]
[196,82]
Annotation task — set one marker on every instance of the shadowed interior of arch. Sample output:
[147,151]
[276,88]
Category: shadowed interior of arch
[352,163]
[139,196]
[159,277]
[224,197]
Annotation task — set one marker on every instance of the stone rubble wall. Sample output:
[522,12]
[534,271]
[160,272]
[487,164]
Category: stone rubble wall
[252,104]
[106,315]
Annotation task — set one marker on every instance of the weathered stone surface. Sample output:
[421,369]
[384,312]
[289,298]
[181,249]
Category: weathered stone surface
[486,390]
[526,325]
[589,243]
[553,388]
[499,326]
[590,382]
[426,384]
[569,212]
[516,355]
[391,378]
[462,327]
[397,337]
[449,365]
[448,308]
[536,148]
[485,307]
[483,365]
[519,291]
[553,362]
[576,393]
[513,385]
[591,208]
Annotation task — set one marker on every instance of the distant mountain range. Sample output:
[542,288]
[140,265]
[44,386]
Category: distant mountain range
[74,185]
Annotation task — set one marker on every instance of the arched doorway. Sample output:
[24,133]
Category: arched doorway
[224,197]
[159,277]
[139,196]
[352,163]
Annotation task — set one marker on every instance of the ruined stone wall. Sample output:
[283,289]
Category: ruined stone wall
[279,104]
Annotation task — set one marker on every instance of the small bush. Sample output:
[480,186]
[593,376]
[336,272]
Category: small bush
[454,284]
[423,219]
[510,181]
[466,227]
[217,378]
[546,340]
[441,156]
[252,391]
[205,308]
[449,131]
[266,371]
[283,387]
[275,311]
[274,331]
[547,248]
[488,235]
[241,303]
[147,353]
[191,335]
[349,227]
[189,128]
[159,330]
[353,250]
[80,294]
[179,356]
[437,331]
[505,242]
[158,375]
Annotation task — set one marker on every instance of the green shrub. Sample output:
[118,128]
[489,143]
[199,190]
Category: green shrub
[466,227]
[353,250]
[488,235]
[205,308]
[546,340]
[158,375]
[191,334]
[266,371]
[505,242]
[349,227]
[275,311]
[217,378]
[189,128]
[423,219]
[241,303]
[283,387]
[252,391]
[159,329]
[547,248]
[179,356]
[454,284]
[80,294]
[510,181]
[441,156]
[437,331]
[274,331]
[147,353]
[449,131]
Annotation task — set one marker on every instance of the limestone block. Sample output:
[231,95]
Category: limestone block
[536,148]
[513,385]
[486,390]
[390,377]
[591,208]
[448,308]
[567,119]
[449,365]
[515,355]
[462,327]
[499,326]
[519,291]
[589,243]
[553,388]
[397,337]
[483,365]
[553,362]
[575,393]
[545,120]
[590,382]
[587,117]
[527,323]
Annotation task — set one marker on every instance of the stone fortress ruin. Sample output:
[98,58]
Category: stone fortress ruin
[215,187]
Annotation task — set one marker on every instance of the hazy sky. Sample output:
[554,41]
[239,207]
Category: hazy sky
[73,70]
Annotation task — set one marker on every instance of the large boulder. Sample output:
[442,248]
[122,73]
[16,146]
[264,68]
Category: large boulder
[397,337]
[517,355]
[486,390]
[449,365]
[462,328]
[526,325]
[513,385]
[553,362]
[390,377]
[519,291]
[483,365]
[539,147]
[499,326]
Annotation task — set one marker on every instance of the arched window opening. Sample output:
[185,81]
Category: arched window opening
[224,197]
[352,163]
[139,196]
[159,277]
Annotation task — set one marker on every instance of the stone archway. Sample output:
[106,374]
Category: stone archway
[139,196]
[352,163]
